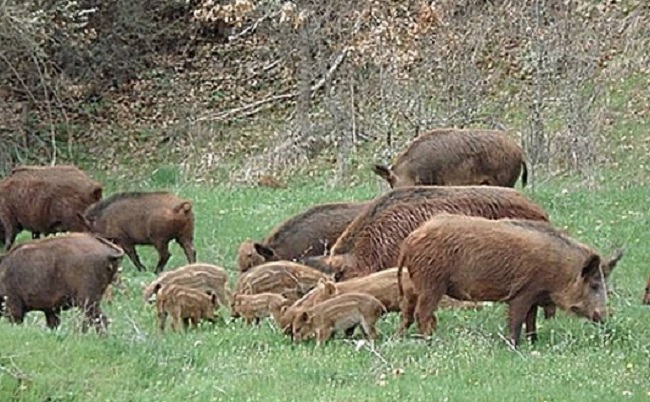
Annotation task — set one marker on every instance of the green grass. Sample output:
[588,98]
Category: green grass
[466,360]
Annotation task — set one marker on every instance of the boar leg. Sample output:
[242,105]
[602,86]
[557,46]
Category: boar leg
[407,307]
[15,310]
[323,334]
[369,329]
[188,249]
[162,319]
[129,249]
[11,231]
[531,324]
[549,310]
[93,316]
[163,255]
[425,311]
[52,319]
[518,312]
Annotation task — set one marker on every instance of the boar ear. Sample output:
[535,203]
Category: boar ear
[591,267]
[304,316]
[97,193]
[265,252]
[283,309]
[611,263]
[330,288]
[382,171]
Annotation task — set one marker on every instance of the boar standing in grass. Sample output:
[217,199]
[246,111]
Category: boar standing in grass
[309,233]
[199,276]
[289,279]
[382,285]
[154,218]
[371,242]
[525,264]
[646,298]
[44,200]
[184,304]
[257,306]
[55,274]
[339,314]
[458,157]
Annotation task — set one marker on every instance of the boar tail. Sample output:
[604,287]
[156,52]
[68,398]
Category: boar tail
[400,266]
[184,207]
[524,174]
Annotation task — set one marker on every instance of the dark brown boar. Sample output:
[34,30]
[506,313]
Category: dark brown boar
[382,285]
[515,261]
[57,196]
[646,298]
[153,218]
[199,276]
[457,157]
[371,242]
[257,306]
[338,314]
[289,279]
[184,304]
[310,233]
[55,274]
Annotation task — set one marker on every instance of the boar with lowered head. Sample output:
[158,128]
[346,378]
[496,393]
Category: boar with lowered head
[199,276]
[154,218]
[646,298]
[457,157]
[55,274]
[371,242]
[184,304]
[44,200]
[382,285]
[257,306]
[525,264]
[310,233]
[289,279]
[338,314]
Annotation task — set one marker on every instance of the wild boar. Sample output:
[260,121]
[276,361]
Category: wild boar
[382,285]
[310,233]
[257,306]
[646,298]
[153,218]
[371,242]
[457,157]
[184,304]
[58,273]
[289,279]
[522,263]
[340,313]
[199,276]
[57,195]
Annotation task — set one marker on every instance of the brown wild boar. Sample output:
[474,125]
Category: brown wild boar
[310,233]
[58,273]
[289,279]
[382,285]
[154,218]
[338,314]
[257,306]
[56,201]
[371,242]
[199,276]
[184,304]
[90,191]
[646,298]
[457,157]
[525,264]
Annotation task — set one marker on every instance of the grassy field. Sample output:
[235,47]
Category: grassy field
[466,360]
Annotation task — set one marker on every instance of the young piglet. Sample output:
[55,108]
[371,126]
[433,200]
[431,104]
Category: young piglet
[258,306]
[186,304]
[340,313]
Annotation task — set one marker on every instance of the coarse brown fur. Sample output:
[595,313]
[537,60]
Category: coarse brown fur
[152,218]
[457,157]
[382,285]
[57,196]
[184,304]
[289,279]
[525,265]
[646,297]
[257,306]
[309,233]
[55,274]
[339,314]
[371,242]
[201,276]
